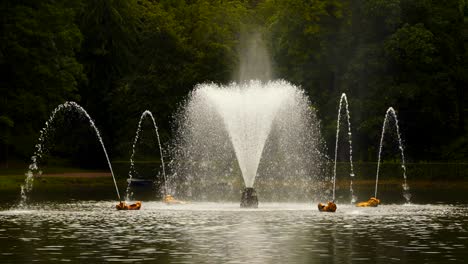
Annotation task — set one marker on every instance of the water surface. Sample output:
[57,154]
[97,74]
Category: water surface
[223,233]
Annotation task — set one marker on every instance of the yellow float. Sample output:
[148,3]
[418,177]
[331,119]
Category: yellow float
[330,207]
[169,199]
[372,202]
[125,206]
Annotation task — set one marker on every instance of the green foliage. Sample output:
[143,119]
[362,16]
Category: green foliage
[403,53]
[120,57]
[39,68]
[411,46]
[180,44]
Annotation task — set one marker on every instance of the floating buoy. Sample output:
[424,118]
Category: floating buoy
[124,206]
[372,202]
[330,207]
[169,199]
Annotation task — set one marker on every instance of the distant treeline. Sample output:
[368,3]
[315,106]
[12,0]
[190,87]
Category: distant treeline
[118,58]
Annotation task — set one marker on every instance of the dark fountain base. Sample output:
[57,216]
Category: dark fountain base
[249,198]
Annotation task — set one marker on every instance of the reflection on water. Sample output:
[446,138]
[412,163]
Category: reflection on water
[220,233]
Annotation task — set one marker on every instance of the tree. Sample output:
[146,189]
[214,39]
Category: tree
[38,44]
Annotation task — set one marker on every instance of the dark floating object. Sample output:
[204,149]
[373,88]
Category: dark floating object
[330,207]
[249,198]
[125,206]
[372,202]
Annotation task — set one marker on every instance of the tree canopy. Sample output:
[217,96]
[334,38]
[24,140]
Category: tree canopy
[118,58]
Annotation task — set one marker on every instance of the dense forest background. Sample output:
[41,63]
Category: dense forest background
[118,58]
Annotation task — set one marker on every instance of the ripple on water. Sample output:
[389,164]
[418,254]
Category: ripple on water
[222,232]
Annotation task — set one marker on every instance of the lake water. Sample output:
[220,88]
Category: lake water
[93,231]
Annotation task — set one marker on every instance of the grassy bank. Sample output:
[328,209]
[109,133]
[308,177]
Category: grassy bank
[421,175]
[421,170]
[60,181]
[55,178]
[98,179]
[99,186]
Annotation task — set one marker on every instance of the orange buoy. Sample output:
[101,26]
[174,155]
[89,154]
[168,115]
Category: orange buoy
[125,206]
[372,202]
[169,199]
[330,207]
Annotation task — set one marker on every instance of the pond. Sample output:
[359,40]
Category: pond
[202,232]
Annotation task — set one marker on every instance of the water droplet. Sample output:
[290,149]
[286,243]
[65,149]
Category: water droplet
[407,196]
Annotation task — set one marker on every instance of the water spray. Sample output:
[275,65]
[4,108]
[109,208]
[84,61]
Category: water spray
[344,99]
[132,157]
[391,112]
[41,150]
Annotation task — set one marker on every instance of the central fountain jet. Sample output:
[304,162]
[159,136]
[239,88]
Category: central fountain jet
[221,120]
[255,127]
[248,111]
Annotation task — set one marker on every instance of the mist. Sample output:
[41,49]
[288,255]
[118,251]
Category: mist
[254,58]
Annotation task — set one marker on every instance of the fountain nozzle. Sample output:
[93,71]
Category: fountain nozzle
[249,198]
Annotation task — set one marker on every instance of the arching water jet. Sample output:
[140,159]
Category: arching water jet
[132,157]
[373,201]
[391,112]
[344,99]
[331,206]
[40,149]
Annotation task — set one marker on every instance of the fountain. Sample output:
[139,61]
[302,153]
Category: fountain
[264,130]
[132,157]
[344,99]
[390,112]
[249,123]
[41,150]
[331,206]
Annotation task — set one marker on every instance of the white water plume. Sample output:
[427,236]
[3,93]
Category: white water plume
[391,112]
[224,130]
[247,114]
[254,60]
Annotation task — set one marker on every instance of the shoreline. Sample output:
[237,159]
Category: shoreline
[14,180]
[76,175]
